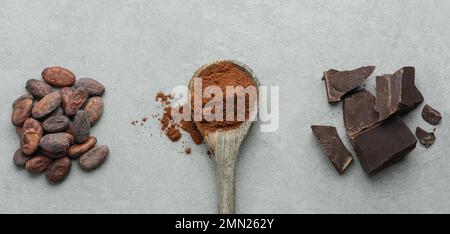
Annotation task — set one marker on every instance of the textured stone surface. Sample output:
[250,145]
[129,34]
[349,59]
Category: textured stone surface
[136,48]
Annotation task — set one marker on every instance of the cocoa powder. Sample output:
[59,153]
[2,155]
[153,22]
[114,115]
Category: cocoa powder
[170,127]
[224,74]
[221,74]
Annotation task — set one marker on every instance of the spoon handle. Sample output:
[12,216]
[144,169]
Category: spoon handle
[225,171]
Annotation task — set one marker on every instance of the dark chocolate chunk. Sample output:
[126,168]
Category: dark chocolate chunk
[397,93]
[359,113]
[431,115]
[384,144]
[333,147]
[411,96]
[339,83]
[377,143]
[426,138]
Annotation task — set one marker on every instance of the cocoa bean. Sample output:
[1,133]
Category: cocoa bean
[31,137]
[52,155]
[46,105]
[58,76]
[94,109]
[25,96]
[57,123]
[57,111]
[59,170]
[55,142]
[20,158]
[38,164]
[21,110]
[76,150]
[70,128]
[38,88]
[69,137]
[94,157]
[81,127]
[94,87]
[66,93]
[76,101]
[20,131]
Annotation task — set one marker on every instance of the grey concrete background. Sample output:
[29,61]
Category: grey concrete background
[137,48]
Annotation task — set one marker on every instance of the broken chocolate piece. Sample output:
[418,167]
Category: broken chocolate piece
[339,83]
[411,96]
[426,138]
[384,144]
[377,143]
[359,113]
[397,93]
[431,115]
[333,147]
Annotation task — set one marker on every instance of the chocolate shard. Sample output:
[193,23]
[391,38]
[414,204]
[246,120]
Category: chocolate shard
[377,144]
[397,93]
[339,83]
[384,145]
[431,115]
[359,113]
[425,138]
[333,147]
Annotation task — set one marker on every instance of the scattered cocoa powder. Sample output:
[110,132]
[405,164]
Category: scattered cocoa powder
[191,128]
[163,98]
[172,128]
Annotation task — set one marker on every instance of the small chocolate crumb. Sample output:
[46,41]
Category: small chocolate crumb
[426,138]
[431,115]
[188,150]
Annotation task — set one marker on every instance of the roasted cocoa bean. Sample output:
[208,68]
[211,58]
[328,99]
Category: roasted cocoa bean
[81,126]
[94,87]
[46,105]
[20,131]
[66,93]
[38,164]
[57,111]
[38,88]
[55,143]
[94,157]
[76,101]
[20,158]
[70,128]
[57,123]
[59,170]
[69,137]
[94,109]
[25,96]
[77,150]
[52,155]
[21,110]
[31,137]
[58,76]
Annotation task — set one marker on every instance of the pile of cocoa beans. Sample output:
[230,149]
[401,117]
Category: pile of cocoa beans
[53,121]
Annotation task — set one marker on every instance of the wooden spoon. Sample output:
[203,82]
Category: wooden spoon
[224,145]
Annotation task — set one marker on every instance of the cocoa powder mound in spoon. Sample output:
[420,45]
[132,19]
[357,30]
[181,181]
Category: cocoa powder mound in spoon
[224,74]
